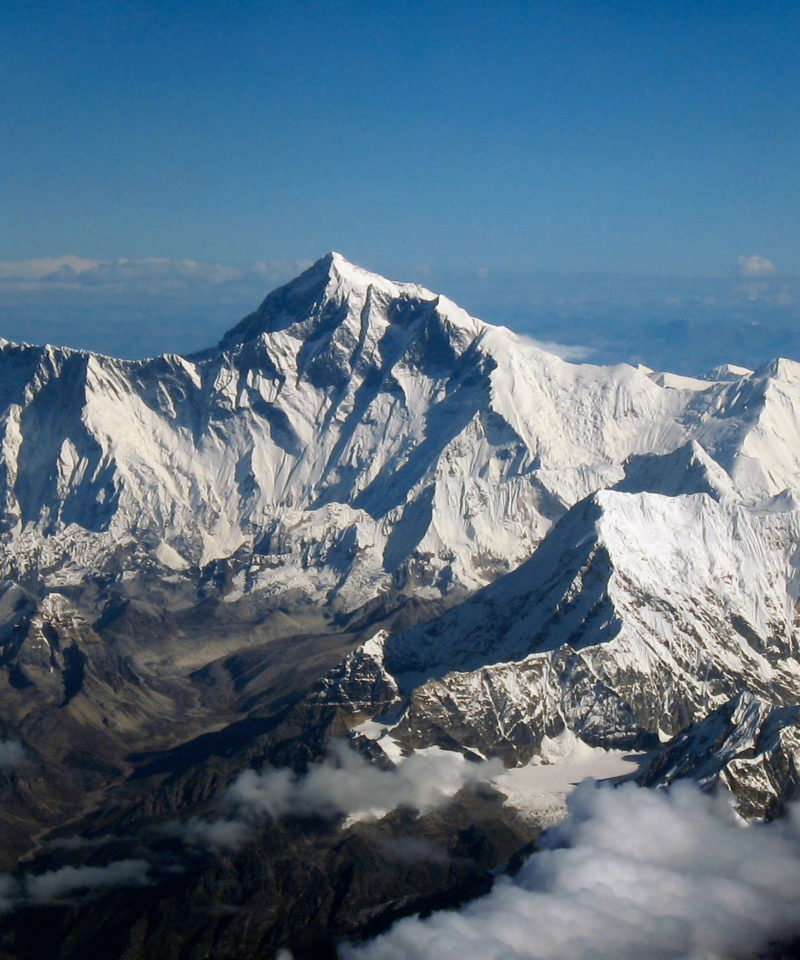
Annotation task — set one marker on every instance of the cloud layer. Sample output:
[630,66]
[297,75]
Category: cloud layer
[756,266]
[54,884]
[630,873]
[162,274]
[347,784]
[131,307]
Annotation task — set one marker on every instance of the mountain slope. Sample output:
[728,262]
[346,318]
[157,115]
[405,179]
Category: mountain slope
[367,515]
[638,614]
[350,435]
[749,746]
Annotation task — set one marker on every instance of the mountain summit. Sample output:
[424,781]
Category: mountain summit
[367,516]
[312,299]
[352,434]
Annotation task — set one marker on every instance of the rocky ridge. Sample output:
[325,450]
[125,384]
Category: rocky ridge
[366,514]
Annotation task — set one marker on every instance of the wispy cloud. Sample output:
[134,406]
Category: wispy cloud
[347,784]
[44,268]
[54,884]
[156,273]
[756,266]
[344,784]
[630,873]
[575,353]
[65,880]
[131,307]
[11,754]
[214,834]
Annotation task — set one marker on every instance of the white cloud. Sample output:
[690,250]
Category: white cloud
[42,267]
[630,873]
[53,884]
[56,883]
[756,266]
[132,307]
[346,783]
[11,754]
[224,834]
[147,274]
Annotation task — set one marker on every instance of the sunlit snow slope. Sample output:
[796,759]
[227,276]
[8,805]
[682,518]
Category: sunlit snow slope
[350,435]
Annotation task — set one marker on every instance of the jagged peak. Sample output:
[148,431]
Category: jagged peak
[780,369]
[331,282]
[727,371]
[687,469]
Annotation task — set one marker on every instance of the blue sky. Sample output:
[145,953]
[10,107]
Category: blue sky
[423,140]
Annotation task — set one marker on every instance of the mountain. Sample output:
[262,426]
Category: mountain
[366,516]
[638,614]
[351,435]
[750,746]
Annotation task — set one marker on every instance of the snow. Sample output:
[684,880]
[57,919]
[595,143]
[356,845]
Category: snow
[539,790]
[638,612]
[630,538]
[728,371]
[454,445]
[170,557]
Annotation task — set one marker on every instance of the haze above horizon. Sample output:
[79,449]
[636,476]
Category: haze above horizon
[483,151]
[578,136]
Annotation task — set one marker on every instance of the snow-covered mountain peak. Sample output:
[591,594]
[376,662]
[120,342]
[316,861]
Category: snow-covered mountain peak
[364,432]
[332,292]
[728,371]
[787,371]
[351,276]
[688,469]
[638,613]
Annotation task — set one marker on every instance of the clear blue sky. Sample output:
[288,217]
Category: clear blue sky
[642,137]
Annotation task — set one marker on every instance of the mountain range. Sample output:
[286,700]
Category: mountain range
[366,517]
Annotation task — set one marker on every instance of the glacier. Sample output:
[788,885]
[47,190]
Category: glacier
[350,436]
[367,516]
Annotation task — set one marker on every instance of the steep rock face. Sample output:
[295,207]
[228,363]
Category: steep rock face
[216,563]
[351,434]
[638,614]
[750,746]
